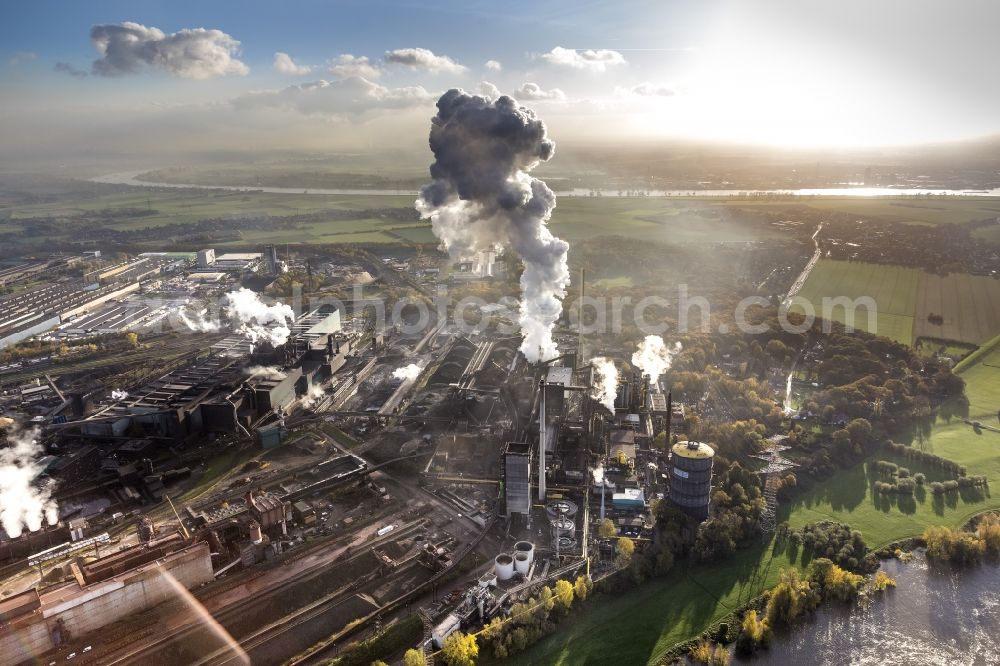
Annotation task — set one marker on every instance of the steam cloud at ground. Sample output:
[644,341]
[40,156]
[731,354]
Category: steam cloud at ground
[411,371]
[23,504]
[315,394]
[196,320]
[257,320]
[265,372]
[483,198]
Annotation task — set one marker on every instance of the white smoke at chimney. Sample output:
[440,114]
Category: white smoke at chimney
[605,388]
[653,358]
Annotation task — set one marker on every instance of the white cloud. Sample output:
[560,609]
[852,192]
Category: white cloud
[594,60]
[348,97]
[487,89]
[347,65]
[493,65]
[197,53]
[423,59]
[283,64]
[646,89]
[534,92]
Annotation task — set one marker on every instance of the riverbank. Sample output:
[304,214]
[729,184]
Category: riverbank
[936,616]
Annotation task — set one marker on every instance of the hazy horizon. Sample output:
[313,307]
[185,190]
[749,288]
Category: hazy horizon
[124,79]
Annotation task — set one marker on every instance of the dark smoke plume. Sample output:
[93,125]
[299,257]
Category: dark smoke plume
[483,198]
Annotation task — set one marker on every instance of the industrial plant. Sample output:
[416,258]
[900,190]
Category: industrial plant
[417,453]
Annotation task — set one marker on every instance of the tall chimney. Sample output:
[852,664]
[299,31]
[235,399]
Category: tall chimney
[670,413]
[255,533]
[541,444]
[580,361]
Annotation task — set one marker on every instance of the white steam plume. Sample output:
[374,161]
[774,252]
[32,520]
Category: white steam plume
[195,320]
[411,372]
[315,394]
[22,503]
[257,320]
[654,358]
[483,198]
[265,372]
[118,395]
[605,388]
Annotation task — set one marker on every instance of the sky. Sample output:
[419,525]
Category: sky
[130,77]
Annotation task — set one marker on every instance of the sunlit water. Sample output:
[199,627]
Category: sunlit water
[933,618]
[130,178]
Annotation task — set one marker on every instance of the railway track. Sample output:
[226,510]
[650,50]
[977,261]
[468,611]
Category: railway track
[147,653]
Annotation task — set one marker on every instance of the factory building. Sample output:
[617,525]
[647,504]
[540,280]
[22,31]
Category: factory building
[177,404]
[206,258]
[238,262]
[517,478]
[30,313]
[691,477]
[214,395]
[104,591]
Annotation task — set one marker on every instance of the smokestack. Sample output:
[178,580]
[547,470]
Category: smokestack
[482,198]
[255,533]
[579,342]
[670,414]
[541,444]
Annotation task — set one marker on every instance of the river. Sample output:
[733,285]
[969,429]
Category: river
[932,618]
[131,178]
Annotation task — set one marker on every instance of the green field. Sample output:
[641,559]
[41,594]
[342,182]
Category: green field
[574,219]
[672,220]
[893,288]
[911,210]
[639,626]
[970,305]
[905,297]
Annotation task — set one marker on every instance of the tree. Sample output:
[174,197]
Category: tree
[581,588]
[132,339]
[413,658]
[837,582]
[789,599]
[626,547]
[860,431]
[547,602]
[607,529]
[753,633]
[564,594]
[379,662]
[776,349]
[460,649]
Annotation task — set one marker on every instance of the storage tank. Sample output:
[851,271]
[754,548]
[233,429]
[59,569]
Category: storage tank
[527,548]
[504,566]
[561,507]
[691,477]
[522,563]
[563,527]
